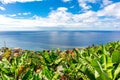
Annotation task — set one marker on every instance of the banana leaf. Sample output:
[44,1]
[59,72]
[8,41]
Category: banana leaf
[98,67]
[116,57]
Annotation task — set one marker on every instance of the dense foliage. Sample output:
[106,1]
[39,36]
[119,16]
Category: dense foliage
[92,63]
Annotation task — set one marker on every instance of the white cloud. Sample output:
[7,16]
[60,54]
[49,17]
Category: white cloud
[112,10]
[18,14]
[84,4]
[105,19]
[13,1]
[62,9]
[12,15]
[66,0]
[72,6]
[17,24]
[60,15]
[2,8]
[106,2]
[25,13]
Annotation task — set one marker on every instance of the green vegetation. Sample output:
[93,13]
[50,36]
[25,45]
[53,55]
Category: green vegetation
[92,63]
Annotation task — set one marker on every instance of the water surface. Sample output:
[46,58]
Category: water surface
[39,40]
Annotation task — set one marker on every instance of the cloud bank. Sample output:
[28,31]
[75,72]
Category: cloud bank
[105,19]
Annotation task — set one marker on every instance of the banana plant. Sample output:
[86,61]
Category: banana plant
[100,62]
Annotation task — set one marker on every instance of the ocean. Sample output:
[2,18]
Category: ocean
[40,40]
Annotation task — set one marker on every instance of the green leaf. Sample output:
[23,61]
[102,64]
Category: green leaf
[99,69]
[5,77]
[116,57]
[55,77]
[107,64]
[25,77]
[103,76]
[40,75]
[36,77]
[47,72]
[47,57]
[97,66]
[90,74]
[58,61]
[104,50]
[117,72]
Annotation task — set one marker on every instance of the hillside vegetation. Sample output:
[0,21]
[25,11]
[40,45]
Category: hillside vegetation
[100,62]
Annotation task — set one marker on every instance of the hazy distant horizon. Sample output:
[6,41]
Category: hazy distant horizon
[60,29]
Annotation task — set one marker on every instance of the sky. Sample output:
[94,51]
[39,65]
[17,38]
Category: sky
[17,15]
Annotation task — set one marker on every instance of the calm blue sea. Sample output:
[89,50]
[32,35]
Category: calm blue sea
[39,40]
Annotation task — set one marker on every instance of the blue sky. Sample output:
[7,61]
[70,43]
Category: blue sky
[59,15]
